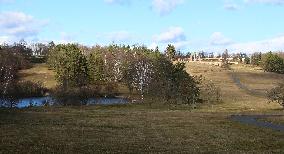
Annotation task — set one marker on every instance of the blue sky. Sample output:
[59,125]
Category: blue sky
[191,25]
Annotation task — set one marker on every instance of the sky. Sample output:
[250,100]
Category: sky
[190,25]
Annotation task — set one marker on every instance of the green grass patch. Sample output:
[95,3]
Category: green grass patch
[129,128]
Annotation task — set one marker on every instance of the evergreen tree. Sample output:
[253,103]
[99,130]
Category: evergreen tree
[256,58]
[171,51]
[96,67]
[273,63]
[71,66]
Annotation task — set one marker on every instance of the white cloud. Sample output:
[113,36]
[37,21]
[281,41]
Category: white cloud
[119,36]
[6,1]
[272,44]
[122,2]
[165,6]
[181,45]
[4,39]
[217,38]
[153,45]
[66,37]
[274,2]
[221,43]
[122,36]
[231,6]
[19,24]
[162,7]
[172,35]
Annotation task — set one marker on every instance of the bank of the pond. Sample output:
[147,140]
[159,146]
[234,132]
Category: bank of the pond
[43,101]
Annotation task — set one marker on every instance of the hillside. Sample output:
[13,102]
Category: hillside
[238,98]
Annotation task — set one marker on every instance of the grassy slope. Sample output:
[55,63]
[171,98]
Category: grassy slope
[236,99]
[144,128]
[39,73]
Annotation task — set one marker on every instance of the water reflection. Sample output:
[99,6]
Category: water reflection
[42,101]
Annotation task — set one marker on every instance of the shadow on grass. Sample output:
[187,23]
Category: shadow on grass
[254,120]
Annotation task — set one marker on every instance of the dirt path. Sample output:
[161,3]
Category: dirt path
[243,86]
[254,120]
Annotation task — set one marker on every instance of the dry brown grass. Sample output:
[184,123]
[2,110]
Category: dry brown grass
[234,98]
[275,120]
[39,73]
[130,129]
[256,78]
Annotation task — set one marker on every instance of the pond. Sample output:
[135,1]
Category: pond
[41,101]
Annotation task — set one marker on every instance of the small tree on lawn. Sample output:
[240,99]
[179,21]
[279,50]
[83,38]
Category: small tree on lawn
[225,56]
[277,94]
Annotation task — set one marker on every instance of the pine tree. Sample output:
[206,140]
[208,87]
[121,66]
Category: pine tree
[171,51]
[96,67]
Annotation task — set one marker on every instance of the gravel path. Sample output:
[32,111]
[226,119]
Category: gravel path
[253,120]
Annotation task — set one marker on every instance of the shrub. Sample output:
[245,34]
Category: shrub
[247,60]
[110,89]
[75,95]
[256,58]
[30,89]
[225,61]
[209,92]
[277,94]
[273,63]
[172,83]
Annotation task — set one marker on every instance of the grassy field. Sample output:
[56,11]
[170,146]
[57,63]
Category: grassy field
[130,128]
[145,128]
[276,120]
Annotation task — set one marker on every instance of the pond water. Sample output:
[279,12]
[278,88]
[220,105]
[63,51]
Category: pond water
[41,101]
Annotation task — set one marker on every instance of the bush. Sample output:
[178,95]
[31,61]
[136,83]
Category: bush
[209,92]
[23,89]
[247,60]
[273,63]
[30,89]
[110,89]
[172,83]
[38,59]
[277,95]
[75,96]
[256,58]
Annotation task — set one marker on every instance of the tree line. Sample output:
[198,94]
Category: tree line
[146,72]
[270,62]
